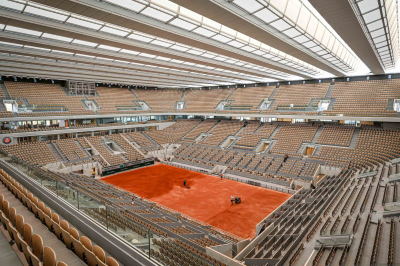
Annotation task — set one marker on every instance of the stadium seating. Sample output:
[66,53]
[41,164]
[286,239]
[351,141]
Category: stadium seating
[159,100]
[355,98]
[204,100]
[48,224]
[364,98]
[50,96]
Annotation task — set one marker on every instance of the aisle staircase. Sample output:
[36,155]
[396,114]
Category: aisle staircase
[230,95]
[81,147]
[273,92]
[353,141]
[150,139]
[182,95]
[57,152]
[274,132]
[319,131]
[5,92]
[134,95]
[329,92]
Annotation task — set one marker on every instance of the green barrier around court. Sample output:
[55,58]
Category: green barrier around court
[127,166]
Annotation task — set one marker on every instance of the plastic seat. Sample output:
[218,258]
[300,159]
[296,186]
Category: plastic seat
[100,255]
[17,237]
[78,247]
[49,257]
[32,259]
[12,215]
[90,256]
[35,208]
[37,244]
[6,208]
[64,227]
[111,262]
[27,234]
[47,219]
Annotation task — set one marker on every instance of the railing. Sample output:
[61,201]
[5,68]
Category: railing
[109,217]
[104,212]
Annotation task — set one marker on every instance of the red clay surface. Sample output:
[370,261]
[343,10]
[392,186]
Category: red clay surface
[207,199]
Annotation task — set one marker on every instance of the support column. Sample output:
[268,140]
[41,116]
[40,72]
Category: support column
[92,133]
[58,136]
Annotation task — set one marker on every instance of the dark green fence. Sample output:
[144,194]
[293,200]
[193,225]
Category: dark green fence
[127,166]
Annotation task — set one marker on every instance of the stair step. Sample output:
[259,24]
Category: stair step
[57,152]
[5,92]
[329,92]
[353,141]
[230,95]
[319,131]
[273,92]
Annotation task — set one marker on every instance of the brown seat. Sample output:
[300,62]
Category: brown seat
[41,206]
[61,264]
[87,245]
[28,234]
[35,208]
[49,257]
[17,237]
[41,214]
[37,244]
[12,215]
[57,230]
[10,229]
[100,254]
[1,202]
[35,261]
[4,220]
[6,208]
[78,247]
[20,223]
[47,219]
[55,217]
[111,262]
[67,239]
[26,249]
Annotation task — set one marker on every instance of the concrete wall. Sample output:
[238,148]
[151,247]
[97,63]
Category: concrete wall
[221,257]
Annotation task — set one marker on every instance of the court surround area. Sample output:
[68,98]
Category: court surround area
[207,199]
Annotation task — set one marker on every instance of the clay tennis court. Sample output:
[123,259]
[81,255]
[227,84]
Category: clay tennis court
[207,199]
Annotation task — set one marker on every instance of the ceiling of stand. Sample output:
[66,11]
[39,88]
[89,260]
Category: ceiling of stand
[191,43]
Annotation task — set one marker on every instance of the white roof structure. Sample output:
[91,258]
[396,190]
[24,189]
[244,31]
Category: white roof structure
[189,43]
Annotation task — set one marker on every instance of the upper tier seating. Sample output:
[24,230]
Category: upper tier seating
[204,100]
[249,98]
[111,98]
[355,98]
[159,100]
[364,98]
[299,95]
[48,95]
